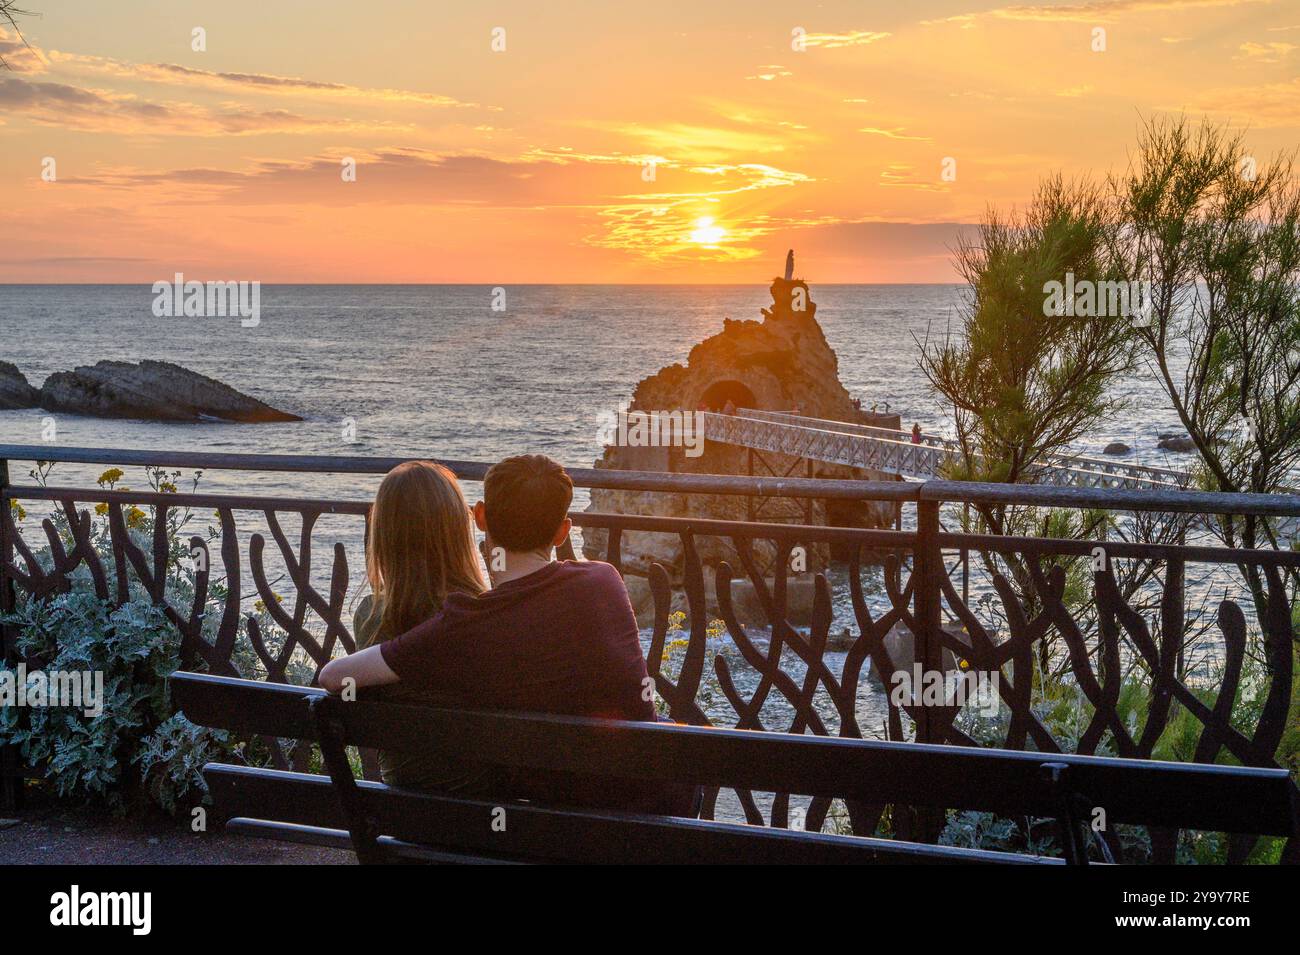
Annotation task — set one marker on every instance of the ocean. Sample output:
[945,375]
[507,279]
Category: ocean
[434,371]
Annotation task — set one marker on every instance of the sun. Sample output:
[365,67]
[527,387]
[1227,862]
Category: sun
[706,233]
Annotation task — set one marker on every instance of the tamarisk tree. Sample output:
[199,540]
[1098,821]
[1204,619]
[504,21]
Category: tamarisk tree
[1217,235]
[1028,374]
[1024,377]
[9,13]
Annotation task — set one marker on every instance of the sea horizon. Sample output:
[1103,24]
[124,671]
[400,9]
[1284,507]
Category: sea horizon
[493,284]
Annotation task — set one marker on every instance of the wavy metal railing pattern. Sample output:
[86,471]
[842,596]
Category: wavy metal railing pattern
[915,584]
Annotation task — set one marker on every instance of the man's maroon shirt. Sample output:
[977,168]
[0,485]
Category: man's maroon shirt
[561,640]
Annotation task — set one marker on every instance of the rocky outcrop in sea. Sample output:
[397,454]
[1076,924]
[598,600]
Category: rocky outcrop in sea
[15,392]
[149,390]
[781,363]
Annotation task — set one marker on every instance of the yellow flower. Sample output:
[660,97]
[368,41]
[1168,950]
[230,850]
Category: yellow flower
[101,509]
[110,477]
[135,517]
[166,487]
[17,510]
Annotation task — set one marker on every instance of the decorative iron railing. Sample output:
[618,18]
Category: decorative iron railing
[778,676]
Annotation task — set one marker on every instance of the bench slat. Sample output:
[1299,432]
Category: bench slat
[1148,792]
[341,839]
[535,833]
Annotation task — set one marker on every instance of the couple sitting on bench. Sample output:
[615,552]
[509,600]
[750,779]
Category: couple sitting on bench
[549,636]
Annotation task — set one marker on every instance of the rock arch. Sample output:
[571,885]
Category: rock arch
[719,393]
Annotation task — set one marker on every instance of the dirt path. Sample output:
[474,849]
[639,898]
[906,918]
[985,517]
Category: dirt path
[52,835]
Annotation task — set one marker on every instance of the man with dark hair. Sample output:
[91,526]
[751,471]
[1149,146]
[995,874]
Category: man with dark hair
[549,637]
[530,497]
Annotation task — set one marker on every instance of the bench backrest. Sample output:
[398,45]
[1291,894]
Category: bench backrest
[1148,792]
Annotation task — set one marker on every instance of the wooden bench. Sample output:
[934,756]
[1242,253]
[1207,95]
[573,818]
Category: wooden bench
[386,824]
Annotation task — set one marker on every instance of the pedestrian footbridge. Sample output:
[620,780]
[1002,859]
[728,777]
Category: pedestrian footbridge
[894,452]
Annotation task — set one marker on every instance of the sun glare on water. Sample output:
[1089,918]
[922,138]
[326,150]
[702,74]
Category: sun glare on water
[706,233]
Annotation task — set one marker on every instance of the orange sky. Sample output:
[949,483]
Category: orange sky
[530,164]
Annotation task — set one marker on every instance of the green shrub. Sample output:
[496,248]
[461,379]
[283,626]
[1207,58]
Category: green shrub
[171,761]
[138,746]
[135,648]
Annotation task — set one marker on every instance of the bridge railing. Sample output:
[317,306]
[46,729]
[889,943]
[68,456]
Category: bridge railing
[903,607]
[1075,469]
[866,430]
[828,446]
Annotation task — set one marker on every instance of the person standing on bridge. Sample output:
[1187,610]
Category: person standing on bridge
[916,432]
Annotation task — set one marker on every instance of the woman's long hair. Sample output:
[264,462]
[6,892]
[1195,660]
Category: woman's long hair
[420,546]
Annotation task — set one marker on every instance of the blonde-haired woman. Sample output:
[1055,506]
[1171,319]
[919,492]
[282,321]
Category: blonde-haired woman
[420,548]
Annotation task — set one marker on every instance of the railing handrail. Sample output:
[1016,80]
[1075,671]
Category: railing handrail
[878,538]
[603,478]
[1175,500]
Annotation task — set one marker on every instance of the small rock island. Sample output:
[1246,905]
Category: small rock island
[146,390]
[782,363]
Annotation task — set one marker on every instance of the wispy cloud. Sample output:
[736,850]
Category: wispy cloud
[1093,11]
[270,83]
[60,98]
[17,55]
[895,133]
[74,107]
[900,174]
[835,41]
[80,260]
[421,177]
[1265,105]
[1266,52]
[690,142]
[771,72]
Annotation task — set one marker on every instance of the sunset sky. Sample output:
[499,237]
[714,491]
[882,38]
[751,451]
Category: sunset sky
[530,164]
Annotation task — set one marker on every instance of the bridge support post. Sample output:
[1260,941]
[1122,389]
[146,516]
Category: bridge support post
[749,498]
